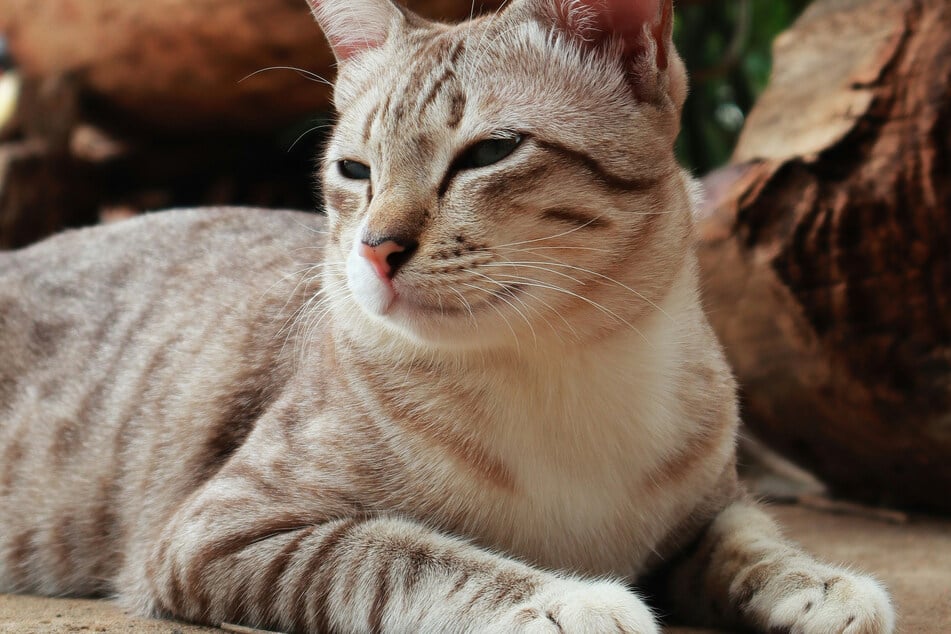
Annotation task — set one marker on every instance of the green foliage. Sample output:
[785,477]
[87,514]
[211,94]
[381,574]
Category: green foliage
[726,46]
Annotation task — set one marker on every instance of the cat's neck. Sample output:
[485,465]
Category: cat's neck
[535,369]
[582,411]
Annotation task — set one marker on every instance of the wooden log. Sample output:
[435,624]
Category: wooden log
[177,65]
[826,251]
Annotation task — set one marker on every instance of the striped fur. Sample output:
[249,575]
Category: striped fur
[229,415]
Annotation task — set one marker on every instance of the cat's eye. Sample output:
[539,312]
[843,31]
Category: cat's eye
[353,170]
[488,152]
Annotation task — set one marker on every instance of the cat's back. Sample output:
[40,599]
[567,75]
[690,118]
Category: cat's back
[122,346]
[152,244]
[81,283]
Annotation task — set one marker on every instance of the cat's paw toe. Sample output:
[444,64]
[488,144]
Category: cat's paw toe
[839,603]
[570,607]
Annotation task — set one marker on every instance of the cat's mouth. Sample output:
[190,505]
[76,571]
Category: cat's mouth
[456,305]
[401,299]
[406,303]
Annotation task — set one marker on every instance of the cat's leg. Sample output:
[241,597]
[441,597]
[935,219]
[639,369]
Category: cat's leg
[215,564]
[743,571]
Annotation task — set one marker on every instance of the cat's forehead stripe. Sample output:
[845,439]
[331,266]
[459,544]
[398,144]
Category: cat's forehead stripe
[371,118]
[448,74]
[457,108]
[432,72]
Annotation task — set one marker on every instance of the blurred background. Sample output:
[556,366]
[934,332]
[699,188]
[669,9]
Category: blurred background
[821,131]
[727,49]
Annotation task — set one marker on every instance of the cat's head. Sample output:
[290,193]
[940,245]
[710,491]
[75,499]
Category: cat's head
[509,179]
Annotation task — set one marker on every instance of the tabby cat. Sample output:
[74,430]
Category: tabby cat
[481,395]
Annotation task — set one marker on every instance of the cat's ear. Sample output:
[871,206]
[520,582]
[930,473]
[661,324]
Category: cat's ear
[642,28]
[355,26]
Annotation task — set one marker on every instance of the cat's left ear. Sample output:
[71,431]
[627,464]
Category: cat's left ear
[643,29]
[355,26]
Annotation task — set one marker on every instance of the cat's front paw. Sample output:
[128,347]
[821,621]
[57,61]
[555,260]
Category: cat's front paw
[828,601]
[580,607]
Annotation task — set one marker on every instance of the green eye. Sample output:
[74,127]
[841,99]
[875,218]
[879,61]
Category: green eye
[353,170]
[488,152]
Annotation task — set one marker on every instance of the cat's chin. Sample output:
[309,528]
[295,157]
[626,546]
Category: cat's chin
[430,325]
[400,311]
[395,301]
[406,311]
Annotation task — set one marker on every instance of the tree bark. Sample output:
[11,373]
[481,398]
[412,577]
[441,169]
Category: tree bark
[825,250]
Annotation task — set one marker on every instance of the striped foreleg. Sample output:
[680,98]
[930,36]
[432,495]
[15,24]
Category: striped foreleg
[368,575]
[743,572]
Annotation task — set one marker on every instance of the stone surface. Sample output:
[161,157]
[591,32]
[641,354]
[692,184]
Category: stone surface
[913,559]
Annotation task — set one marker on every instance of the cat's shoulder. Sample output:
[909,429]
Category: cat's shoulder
[193,224]
[162,238]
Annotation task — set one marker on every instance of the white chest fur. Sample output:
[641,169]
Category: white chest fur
[580,436]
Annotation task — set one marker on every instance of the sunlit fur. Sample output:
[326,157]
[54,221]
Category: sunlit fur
[229,416]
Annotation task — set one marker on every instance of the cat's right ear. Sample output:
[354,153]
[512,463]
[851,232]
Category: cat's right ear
[640,31]
[355,26]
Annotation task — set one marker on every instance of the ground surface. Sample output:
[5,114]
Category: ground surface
[913,558]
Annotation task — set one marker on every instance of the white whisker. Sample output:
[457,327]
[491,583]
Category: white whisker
[528,308]
[551,237]
[538,266]
[518,347]
[501,296]
[558,248]
[594,304]
[308,131]
[465,302]
[595,274]
[306,74]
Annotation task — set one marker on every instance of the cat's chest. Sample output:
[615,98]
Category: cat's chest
[552,464]
[560,486]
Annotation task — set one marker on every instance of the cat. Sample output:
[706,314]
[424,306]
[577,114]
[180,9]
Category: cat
[480,395]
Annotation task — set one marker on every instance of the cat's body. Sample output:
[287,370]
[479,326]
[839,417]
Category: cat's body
[519,469]
[265,417]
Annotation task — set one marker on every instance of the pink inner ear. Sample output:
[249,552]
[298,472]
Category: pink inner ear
[627,18]
[355,26]
[345,48]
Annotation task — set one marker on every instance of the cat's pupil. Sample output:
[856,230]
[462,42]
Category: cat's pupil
[488,152]
[354,170]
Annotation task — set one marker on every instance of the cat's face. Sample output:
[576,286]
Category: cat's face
[500,181]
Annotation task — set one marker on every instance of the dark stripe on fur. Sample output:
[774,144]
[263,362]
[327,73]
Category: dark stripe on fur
[275,571]
[577,217]
[322,579]
[427,101]
[236,542]
[12,456]
[512,587]
[381,597]
[62,546]
[419,557]
[21,551]
[457,108]
[368,125]
[591,165]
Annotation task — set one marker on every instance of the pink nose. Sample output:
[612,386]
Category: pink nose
[387,257]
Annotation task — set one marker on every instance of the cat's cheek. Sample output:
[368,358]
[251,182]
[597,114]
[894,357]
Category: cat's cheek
[373,295]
